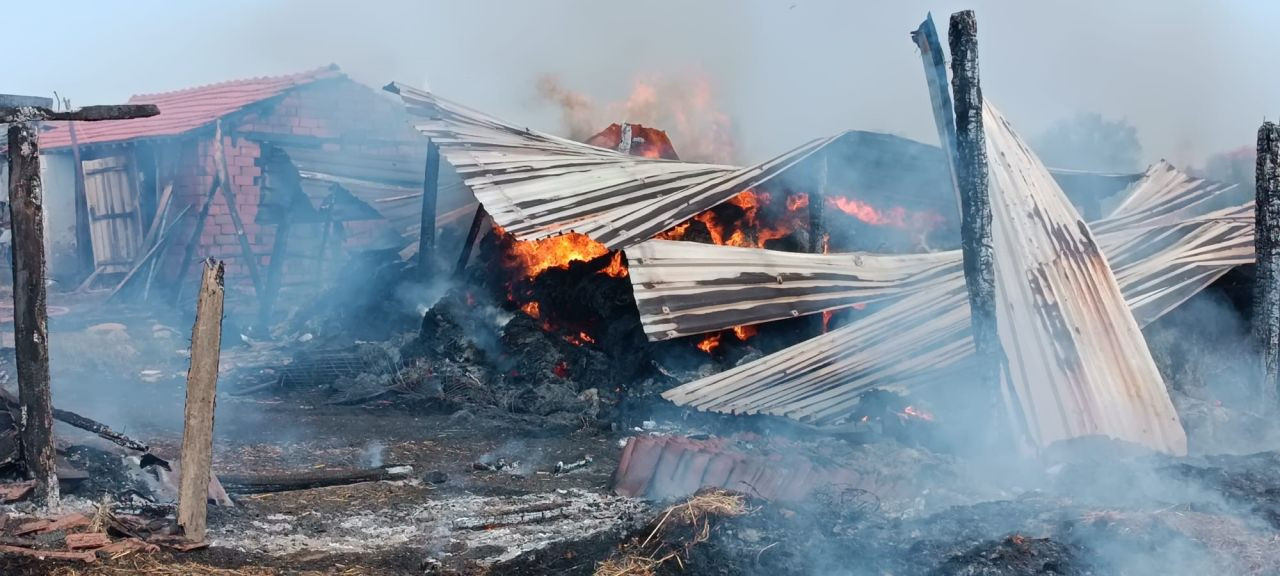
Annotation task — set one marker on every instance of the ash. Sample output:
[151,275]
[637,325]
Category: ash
[483,529]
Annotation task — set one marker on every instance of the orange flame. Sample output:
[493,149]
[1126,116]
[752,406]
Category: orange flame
[615,268]
[710,343]
[744,332]
[532,309]
[913,412]
[536,256]
[896,217]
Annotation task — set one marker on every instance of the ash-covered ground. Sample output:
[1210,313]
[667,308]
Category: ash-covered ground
[513,426]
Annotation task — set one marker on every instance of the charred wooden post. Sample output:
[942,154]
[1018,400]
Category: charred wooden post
[202,382]
[817,228]
[467,244]
[427,230]
[30,318]
[31,321]
[1266,239]
[975,203]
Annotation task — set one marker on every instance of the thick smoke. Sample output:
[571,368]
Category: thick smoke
[686,108]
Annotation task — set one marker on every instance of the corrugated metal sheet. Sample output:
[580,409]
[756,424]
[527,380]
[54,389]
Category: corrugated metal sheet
[685,288]
[1080,364]
[182,110]
[684,291]
[536,185]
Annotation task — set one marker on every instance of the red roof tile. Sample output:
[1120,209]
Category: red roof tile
[183,110]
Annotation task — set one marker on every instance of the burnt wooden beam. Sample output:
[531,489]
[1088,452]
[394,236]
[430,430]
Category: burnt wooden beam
[275,269]
[11,114]
[1266,242]
[427,232]
[202,382]
[30,317]
[976,244]
[817,227]
[193,244]
[229,195]
[472,234]
[259,484]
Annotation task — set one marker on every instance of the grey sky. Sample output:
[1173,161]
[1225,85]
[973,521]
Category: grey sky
[1194,77]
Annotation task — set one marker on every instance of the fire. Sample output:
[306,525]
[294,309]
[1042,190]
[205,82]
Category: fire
[615,269]
[561,369]
[744,332]
[710,343]
[536,256]
[913,412]
[532,309]
[896,217]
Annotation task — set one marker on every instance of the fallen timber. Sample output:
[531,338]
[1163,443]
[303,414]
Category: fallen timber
[263,483]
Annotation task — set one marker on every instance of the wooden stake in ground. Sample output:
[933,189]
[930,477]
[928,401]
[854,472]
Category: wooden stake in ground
[975,204]
[427,231]
[1266,242]
[31,321]
[202,382]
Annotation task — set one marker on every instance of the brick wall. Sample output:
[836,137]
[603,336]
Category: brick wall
[327,109]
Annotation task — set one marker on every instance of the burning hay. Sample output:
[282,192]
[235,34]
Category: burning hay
[675,531]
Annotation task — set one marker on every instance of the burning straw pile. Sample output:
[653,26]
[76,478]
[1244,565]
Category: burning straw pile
[675,531]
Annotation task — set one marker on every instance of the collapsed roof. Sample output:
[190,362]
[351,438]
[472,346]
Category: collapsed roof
[1082,368]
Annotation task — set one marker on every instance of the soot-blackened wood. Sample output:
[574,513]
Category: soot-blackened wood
[975,203]
[258,484]
[427,231]
[817,228]
[87,114]
[472,233]
[1266,239]
[229,195]
[30,319]
[202,382]
[193,244]
[275,269]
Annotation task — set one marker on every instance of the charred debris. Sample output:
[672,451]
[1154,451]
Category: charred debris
[429,341]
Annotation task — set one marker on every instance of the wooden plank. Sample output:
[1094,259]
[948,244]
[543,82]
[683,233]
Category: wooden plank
[472,233]
[141,263]
[84,242]
[1266,291]
[193,244]
[31,321]
[275,268]
[202,381]
[246,251]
